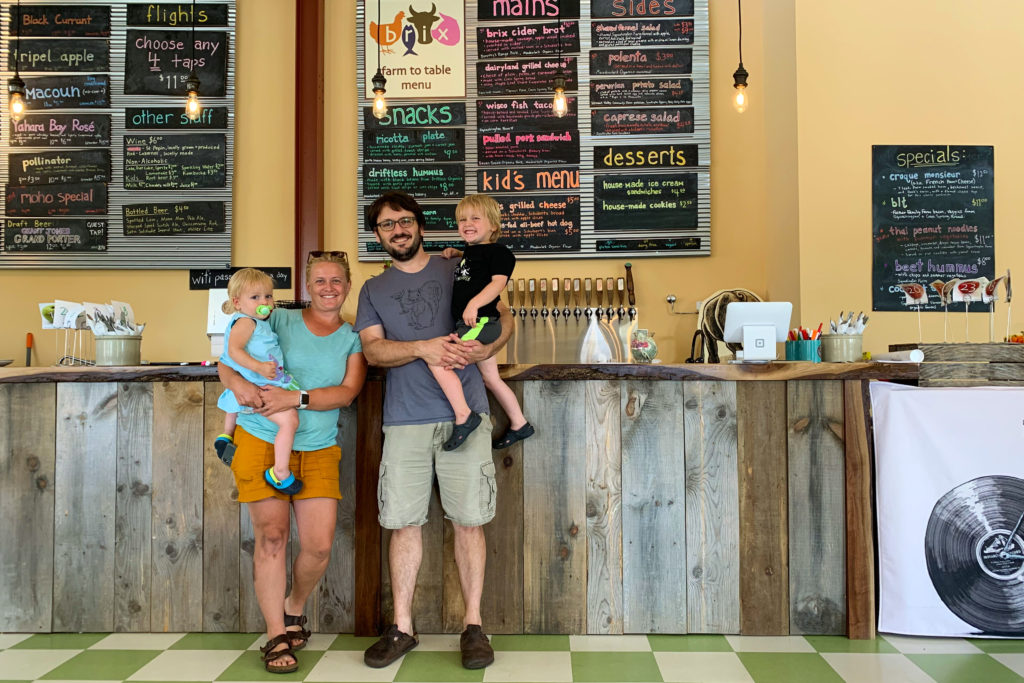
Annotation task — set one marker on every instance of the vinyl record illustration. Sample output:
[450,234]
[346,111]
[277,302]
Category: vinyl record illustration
[974,549]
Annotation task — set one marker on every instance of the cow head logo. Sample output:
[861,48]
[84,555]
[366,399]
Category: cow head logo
[422,21]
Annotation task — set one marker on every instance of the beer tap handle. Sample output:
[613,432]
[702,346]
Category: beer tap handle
[609,286]
[510,290]
[622,292]
[521,286]
[533,297]
[554,291]
[567,288]
[576,292]
[544,295]
[629,286]
[600,293]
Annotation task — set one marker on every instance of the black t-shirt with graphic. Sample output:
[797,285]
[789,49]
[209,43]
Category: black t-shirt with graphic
[480,263]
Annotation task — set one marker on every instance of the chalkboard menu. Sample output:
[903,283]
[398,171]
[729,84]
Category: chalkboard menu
[105,170]
[412,144]
[77,199]
[173,118]
[175,162]
[61,130]
[633,32]
[175,218]
[58,234]
[932,218]
[524,76]
[529,147]
[419,180]
[158,62]
[626,172]
[651,121]
[46,168]
[67,92]
[528,40]
[440,217]
[61,55]
[617,92]
[543,223]
[61,21]
[529,114]
[645,201]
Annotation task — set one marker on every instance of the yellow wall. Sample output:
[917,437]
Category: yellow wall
[790,177]
[909,72]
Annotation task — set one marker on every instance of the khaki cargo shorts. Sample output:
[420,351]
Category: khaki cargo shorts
[465,476]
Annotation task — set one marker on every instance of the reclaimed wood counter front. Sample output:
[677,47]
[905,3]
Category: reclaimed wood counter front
[653,499]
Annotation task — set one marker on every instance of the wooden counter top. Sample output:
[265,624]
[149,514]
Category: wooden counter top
[604,371]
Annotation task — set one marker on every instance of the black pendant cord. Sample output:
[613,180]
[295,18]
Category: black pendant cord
[739,13]
[378,37]
[559,34]
[17,34]
[193,65]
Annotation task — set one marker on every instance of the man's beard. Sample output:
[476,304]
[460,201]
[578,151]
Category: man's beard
[409,251]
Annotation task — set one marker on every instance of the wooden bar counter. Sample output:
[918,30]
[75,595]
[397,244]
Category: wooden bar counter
[653,499]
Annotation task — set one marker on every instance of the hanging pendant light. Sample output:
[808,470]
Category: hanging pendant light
[193,107]
[740,99]
[380,105]
[559,104]
[16,86]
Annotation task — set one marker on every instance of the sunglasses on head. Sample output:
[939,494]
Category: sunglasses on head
[341,255]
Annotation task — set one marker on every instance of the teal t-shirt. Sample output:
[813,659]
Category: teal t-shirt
[314,362]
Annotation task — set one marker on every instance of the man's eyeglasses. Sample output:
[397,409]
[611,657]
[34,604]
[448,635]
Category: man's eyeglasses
[389,225]
[341,255]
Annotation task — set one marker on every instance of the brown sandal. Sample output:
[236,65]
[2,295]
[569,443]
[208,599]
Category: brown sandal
[298,639]
[270,655]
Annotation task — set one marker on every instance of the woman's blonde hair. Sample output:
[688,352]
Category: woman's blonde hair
[485,204]
[242,280]
[338,257]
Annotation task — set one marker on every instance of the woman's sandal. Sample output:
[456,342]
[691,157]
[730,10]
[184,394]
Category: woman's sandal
[298,639]
[461,432]
[270,655]
[289,486]
[513,436]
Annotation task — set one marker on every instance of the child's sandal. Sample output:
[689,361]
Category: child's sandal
[513,436]
[269,655]
[225,447]
[461,432]
[289,486]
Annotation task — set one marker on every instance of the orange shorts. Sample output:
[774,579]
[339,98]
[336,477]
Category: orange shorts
[318,470]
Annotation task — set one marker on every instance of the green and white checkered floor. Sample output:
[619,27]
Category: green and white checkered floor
[544,659]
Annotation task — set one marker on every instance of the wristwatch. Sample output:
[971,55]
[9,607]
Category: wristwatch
[303,400]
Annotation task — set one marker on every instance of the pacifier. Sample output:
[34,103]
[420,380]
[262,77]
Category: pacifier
[263,310]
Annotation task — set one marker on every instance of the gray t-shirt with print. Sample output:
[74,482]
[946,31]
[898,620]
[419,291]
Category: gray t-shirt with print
[413,307]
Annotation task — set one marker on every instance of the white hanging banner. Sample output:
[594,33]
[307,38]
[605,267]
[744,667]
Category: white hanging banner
[950,488]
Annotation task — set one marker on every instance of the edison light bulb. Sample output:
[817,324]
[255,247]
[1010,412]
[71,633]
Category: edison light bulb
[193,107]
[560,105]
[380,105]
[17,106]
[740,99]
